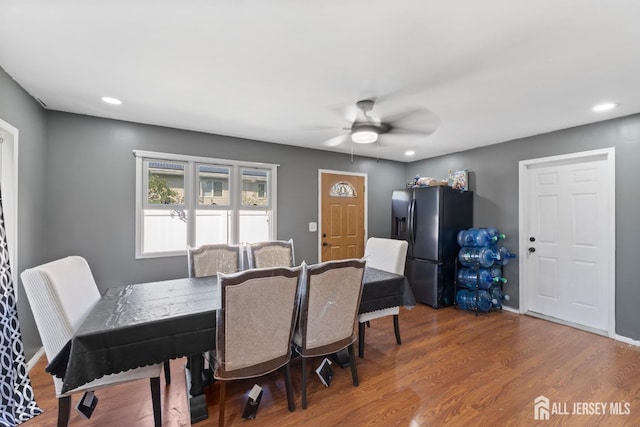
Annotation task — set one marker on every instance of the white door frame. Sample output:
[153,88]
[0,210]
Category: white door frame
[523,220]
[9,180]
[366,204]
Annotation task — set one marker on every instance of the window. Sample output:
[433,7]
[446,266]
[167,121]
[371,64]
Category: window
[217,188]
[191,201]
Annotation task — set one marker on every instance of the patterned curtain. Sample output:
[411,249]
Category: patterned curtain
[16,394]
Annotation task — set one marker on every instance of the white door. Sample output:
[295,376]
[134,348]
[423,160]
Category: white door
[568,240]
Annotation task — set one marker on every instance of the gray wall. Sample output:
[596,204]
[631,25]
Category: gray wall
[494,180]
[87,169]
[24,113]
[91,170]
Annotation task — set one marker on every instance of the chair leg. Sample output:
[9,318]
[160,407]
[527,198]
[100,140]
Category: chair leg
[167,372]
[64,411]
[396,328]
[361,330]
[354,370]
[289,387]
[155,400]
[304,383]
[223,397]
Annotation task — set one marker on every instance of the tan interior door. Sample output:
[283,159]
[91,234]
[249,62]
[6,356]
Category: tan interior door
[342,226]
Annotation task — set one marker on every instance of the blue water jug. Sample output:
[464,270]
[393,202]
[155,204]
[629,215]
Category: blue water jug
[466,299]
[497,297]
[482,238]
[475,237]
[495,234]
[485,257]
[505,255]
[471,278]
[496,271]
[464,238]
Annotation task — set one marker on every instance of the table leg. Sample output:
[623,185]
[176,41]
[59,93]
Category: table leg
[195,388]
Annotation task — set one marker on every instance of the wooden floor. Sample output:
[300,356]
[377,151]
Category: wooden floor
[452,369]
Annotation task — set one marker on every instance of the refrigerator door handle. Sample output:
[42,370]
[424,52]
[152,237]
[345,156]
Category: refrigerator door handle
[412,227]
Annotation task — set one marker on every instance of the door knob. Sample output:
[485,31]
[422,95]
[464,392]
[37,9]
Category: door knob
[325,244]
[532,250]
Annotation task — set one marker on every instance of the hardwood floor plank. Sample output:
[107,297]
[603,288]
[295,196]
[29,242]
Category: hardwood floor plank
[452,368]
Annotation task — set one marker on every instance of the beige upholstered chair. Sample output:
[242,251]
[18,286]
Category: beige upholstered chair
[275,253]
[209,260]
[388,255]
[329,304]
[61,294]
[255,325]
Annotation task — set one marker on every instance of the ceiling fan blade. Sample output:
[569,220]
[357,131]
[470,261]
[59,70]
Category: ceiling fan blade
[422,131]
[317,127]
[418,121]
[405,115]
[336,140]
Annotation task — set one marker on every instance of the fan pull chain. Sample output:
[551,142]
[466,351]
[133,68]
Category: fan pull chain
[351,152]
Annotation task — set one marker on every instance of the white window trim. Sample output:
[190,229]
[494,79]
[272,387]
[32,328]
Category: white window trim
[191,202]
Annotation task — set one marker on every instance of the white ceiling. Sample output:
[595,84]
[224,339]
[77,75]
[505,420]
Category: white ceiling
[290,71]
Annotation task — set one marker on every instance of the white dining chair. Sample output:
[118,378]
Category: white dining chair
[388,255]
[275,253]
[61,294]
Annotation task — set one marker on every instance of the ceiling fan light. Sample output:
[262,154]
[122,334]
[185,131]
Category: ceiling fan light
[364,136]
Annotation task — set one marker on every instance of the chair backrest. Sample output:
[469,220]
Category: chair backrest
[61,294]
[386,254]
[276,253]
[209,260]
[255,325]
[329,305]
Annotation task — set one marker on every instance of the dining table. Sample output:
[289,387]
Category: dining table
[147,323]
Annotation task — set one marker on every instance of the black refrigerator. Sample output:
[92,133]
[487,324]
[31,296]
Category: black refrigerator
[429,218]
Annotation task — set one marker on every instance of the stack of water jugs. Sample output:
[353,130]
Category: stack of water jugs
[481,276]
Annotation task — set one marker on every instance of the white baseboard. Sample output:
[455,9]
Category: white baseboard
[511,309]
[627,340]
[616,337]
[32,362]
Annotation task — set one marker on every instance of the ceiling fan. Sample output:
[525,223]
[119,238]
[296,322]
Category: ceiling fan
[366,129]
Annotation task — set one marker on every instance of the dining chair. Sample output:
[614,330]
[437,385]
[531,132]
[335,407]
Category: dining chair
[61,294]
[275,253]
[254,327]
[388,255]
[209,260]
[329,304]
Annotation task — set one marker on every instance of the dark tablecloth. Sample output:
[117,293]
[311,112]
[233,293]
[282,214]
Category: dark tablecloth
[140,325]
[383,290]
[148,323]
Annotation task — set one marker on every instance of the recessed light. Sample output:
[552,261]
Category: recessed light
[110,100]
[409,153]
[605,106]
